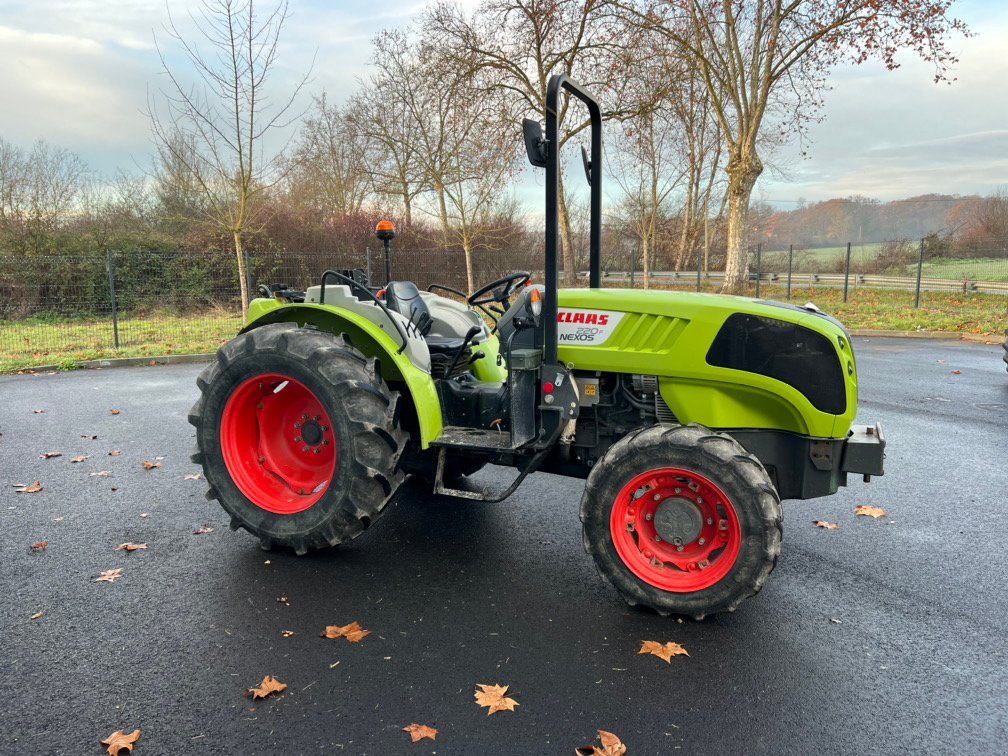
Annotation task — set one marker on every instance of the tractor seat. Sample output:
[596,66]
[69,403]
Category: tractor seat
[404,298]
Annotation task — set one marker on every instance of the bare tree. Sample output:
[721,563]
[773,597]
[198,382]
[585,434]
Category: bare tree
[765,63]
[227,115]
[523,42]
[329,167]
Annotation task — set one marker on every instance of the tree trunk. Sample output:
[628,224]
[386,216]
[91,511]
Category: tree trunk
[743,170]
[242,275]
[407,207]
[646,260]
[442,211]
[467,248]
[566,239]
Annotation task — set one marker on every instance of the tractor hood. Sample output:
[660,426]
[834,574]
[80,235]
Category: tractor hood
[725,362]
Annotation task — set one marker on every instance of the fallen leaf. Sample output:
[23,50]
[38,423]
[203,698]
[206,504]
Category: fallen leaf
[114,489]
[419,732]
[864,510]
[114,453]
[33,488]
[286,633]
[40,546]
[109,576]
[78,458]
[100,474]
[492,696]
[202,531]
[611,746]
[941,362]
[119,740]
[836,621]
[267,686]
[38,412]
[131,546]
[148,465]
[142,514]
[283,600]
[89,438]
[826,525]
[663,651]
[114,412]
[152,363]
[957,372]
[194,476]
[352,632]
[56,519]
[37,615]
[50,455]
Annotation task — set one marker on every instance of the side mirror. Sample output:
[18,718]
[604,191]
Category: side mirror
[535,145]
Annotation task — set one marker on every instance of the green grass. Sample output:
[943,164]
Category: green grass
[44,341]
[36,341]
[976,269]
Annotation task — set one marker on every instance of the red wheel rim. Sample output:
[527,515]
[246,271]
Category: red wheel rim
[278,443]
[655,500]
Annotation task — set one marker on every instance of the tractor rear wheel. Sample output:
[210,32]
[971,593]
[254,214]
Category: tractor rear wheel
[682,520]
[298,436]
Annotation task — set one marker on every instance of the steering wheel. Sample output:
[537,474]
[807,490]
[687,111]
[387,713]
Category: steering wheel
[499,292]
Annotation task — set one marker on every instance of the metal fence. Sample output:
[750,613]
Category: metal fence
[59,309]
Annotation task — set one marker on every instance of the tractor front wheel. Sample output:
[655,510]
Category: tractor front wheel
[298,436]
[682,520]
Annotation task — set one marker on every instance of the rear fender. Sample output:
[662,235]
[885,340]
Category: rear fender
[372,341]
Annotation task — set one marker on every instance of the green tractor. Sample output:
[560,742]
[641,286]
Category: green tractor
[690,416]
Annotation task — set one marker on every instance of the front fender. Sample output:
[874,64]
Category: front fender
[372,341]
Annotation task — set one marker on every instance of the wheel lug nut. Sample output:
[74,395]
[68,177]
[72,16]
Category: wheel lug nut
[319,451]
[699,499]
[304,417]
[678,490]
[325,428]
[701,541]
[648,517]
[317,417]
[297,439]
[657,538]
[305,450]
[710,521]
[679,548]
[325,442]
[657,497]
[297,425]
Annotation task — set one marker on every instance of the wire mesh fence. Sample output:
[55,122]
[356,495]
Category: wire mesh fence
[61,309]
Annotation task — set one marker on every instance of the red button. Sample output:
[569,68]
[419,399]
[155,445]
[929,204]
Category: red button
[548,388]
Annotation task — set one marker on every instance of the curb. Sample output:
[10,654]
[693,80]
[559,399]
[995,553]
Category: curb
[118,362]
[977,338]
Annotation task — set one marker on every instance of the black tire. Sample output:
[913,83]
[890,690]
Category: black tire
[723,461]
[365,424]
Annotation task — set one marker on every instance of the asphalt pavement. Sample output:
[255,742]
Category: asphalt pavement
[881,636]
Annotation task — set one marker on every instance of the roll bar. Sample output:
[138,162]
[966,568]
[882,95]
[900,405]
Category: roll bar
[593,167]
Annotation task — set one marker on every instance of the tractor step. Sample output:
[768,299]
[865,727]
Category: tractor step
[473,439]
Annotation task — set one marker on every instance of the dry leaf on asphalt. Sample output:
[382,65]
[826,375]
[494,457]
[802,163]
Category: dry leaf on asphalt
[194,476]
[492,696]
[114,453]
[131,546]
[864,510]
[50,455]
[37,615]
[148,465]
[113,412]
[419,732]
[119,740]
[89,437]
[611,746]
[202,531]
[109,576]
[40,546]
[100,474]
[826,525]
[78,458]
[957,372]
[286,633]
[267,686]
[38,412]
[33,488]
[283,600]
[662,650]
[352,632]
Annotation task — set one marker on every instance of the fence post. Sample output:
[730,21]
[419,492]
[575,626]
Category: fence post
[790,255]
[920,266]
[248,276]
[109,266]
[759,267]
[699,265]
[846,273]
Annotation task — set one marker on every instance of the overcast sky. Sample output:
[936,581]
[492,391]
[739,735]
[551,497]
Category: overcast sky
[76,73]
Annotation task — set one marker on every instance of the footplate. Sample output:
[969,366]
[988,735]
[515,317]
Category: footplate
[864,451]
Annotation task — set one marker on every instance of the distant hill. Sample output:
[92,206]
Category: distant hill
[861,219]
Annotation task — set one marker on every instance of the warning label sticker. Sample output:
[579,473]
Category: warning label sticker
[586,327]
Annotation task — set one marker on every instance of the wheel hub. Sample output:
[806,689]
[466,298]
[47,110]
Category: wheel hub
[678,521]
[311,433]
